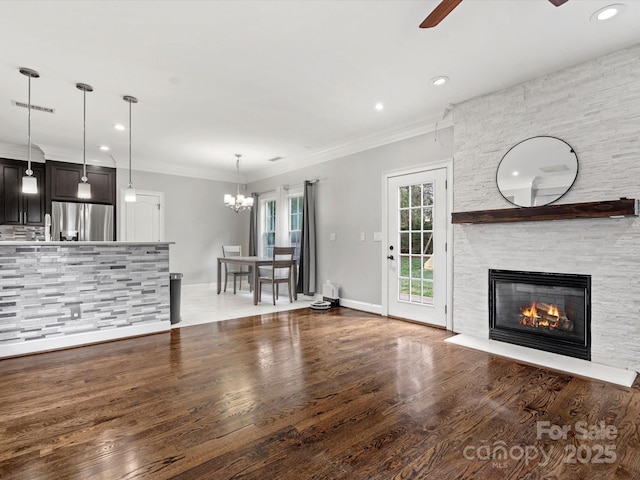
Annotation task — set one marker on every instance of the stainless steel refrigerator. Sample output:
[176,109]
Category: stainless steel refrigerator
[81,221]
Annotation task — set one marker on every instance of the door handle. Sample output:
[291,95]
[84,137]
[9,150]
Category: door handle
[390,257]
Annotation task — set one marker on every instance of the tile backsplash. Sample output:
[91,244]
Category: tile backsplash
[20,233]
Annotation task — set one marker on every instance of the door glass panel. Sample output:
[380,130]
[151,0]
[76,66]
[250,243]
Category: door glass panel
[427,218]
[427,248]
[404,266]
[404,197]
[404,220]
[404,243]
[427,194]
[416,243]
[403,287]
[415,233]
[416,195]
[416,218]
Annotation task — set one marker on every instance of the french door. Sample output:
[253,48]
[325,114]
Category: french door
[416,250]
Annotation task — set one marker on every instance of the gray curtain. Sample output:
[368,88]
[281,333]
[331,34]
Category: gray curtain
[307,269]
[253,226]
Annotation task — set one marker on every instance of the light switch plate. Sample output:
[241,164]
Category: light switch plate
[377,236]
[332,237]
[362,236]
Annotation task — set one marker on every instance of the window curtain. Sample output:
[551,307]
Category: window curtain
[307,270]
[253,226]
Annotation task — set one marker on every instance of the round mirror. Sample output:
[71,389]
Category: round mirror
[537,171]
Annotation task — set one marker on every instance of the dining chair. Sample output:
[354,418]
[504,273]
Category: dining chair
[280,272]
[235,270]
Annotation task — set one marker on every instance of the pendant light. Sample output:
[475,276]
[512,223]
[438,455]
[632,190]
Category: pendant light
[29,182]
[239,202]
[130,193]
[84,188]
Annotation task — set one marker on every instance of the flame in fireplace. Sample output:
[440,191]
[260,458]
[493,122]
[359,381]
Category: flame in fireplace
[530,312]
[544,315]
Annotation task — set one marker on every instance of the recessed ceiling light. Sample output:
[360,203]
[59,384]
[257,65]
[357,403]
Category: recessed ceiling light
[437,81]
[104,148]
[515,173]
[379,106]
[119,126]
[607,13]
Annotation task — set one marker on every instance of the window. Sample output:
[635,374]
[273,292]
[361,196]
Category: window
[295,224]
[280,220]
[269,227]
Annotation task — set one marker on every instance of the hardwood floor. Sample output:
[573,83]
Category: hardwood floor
[306,395]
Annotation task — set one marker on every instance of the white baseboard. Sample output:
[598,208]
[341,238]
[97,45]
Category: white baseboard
[363,306]
[86,338]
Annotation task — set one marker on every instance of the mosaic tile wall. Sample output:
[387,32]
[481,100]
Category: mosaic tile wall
[21,232]
[49,290]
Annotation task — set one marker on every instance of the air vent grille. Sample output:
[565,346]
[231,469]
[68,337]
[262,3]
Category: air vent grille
[33,107]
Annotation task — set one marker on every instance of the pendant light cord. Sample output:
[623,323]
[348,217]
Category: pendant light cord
[130,145]
[29,171]
[237,175]
[84,136]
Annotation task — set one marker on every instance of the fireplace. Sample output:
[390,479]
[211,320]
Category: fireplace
[545,311]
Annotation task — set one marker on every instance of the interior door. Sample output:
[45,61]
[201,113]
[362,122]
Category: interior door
[416,250]
[143,222]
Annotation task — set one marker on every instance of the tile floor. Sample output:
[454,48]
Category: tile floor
[201,304]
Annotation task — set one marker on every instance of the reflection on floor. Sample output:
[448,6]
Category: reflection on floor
[201,304]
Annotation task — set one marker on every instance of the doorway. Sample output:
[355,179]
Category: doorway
[417,265]
[143,220]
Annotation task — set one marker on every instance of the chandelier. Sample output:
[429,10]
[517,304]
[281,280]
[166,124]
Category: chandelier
[239,202]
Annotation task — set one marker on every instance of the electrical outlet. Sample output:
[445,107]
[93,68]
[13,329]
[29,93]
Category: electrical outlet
[332,237]
[75,312]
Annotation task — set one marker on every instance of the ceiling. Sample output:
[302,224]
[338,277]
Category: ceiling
[291,79]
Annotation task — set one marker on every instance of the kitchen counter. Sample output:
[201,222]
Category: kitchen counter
[37,243]
[62,294]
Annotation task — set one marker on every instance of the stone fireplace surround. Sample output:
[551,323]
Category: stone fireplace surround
[598,115]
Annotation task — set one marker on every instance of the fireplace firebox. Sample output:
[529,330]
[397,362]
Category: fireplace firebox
[546,311]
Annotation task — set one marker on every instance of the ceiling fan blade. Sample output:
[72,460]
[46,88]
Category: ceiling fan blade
[557,3]
[440,12]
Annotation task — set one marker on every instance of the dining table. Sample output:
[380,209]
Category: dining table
[256,262]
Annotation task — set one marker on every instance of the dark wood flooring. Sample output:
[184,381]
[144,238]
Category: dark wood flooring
[307,395]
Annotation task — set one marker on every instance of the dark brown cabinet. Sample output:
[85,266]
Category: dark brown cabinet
[17,208]
[63,179]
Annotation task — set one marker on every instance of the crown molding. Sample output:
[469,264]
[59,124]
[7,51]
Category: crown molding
[350,147]
[21,152]
[296,162]
[203,172]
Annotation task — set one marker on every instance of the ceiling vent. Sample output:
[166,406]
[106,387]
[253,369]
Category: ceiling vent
[33,107]
[275,159]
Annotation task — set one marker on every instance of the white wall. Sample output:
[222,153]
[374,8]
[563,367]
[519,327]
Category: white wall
[595,107]
[349,201]
[196,219]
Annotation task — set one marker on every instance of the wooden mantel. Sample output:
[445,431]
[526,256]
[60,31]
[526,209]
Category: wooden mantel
[612,208]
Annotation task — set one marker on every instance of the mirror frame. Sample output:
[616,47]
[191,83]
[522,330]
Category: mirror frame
[573,181]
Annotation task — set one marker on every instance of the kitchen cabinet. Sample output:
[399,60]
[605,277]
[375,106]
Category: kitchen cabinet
[17,208]
[63,179]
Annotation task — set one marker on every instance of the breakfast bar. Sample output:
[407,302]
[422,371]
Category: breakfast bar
[62,294]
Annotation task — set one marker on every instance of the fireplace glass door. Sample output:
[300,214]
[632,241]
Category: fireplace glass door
[547,311]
